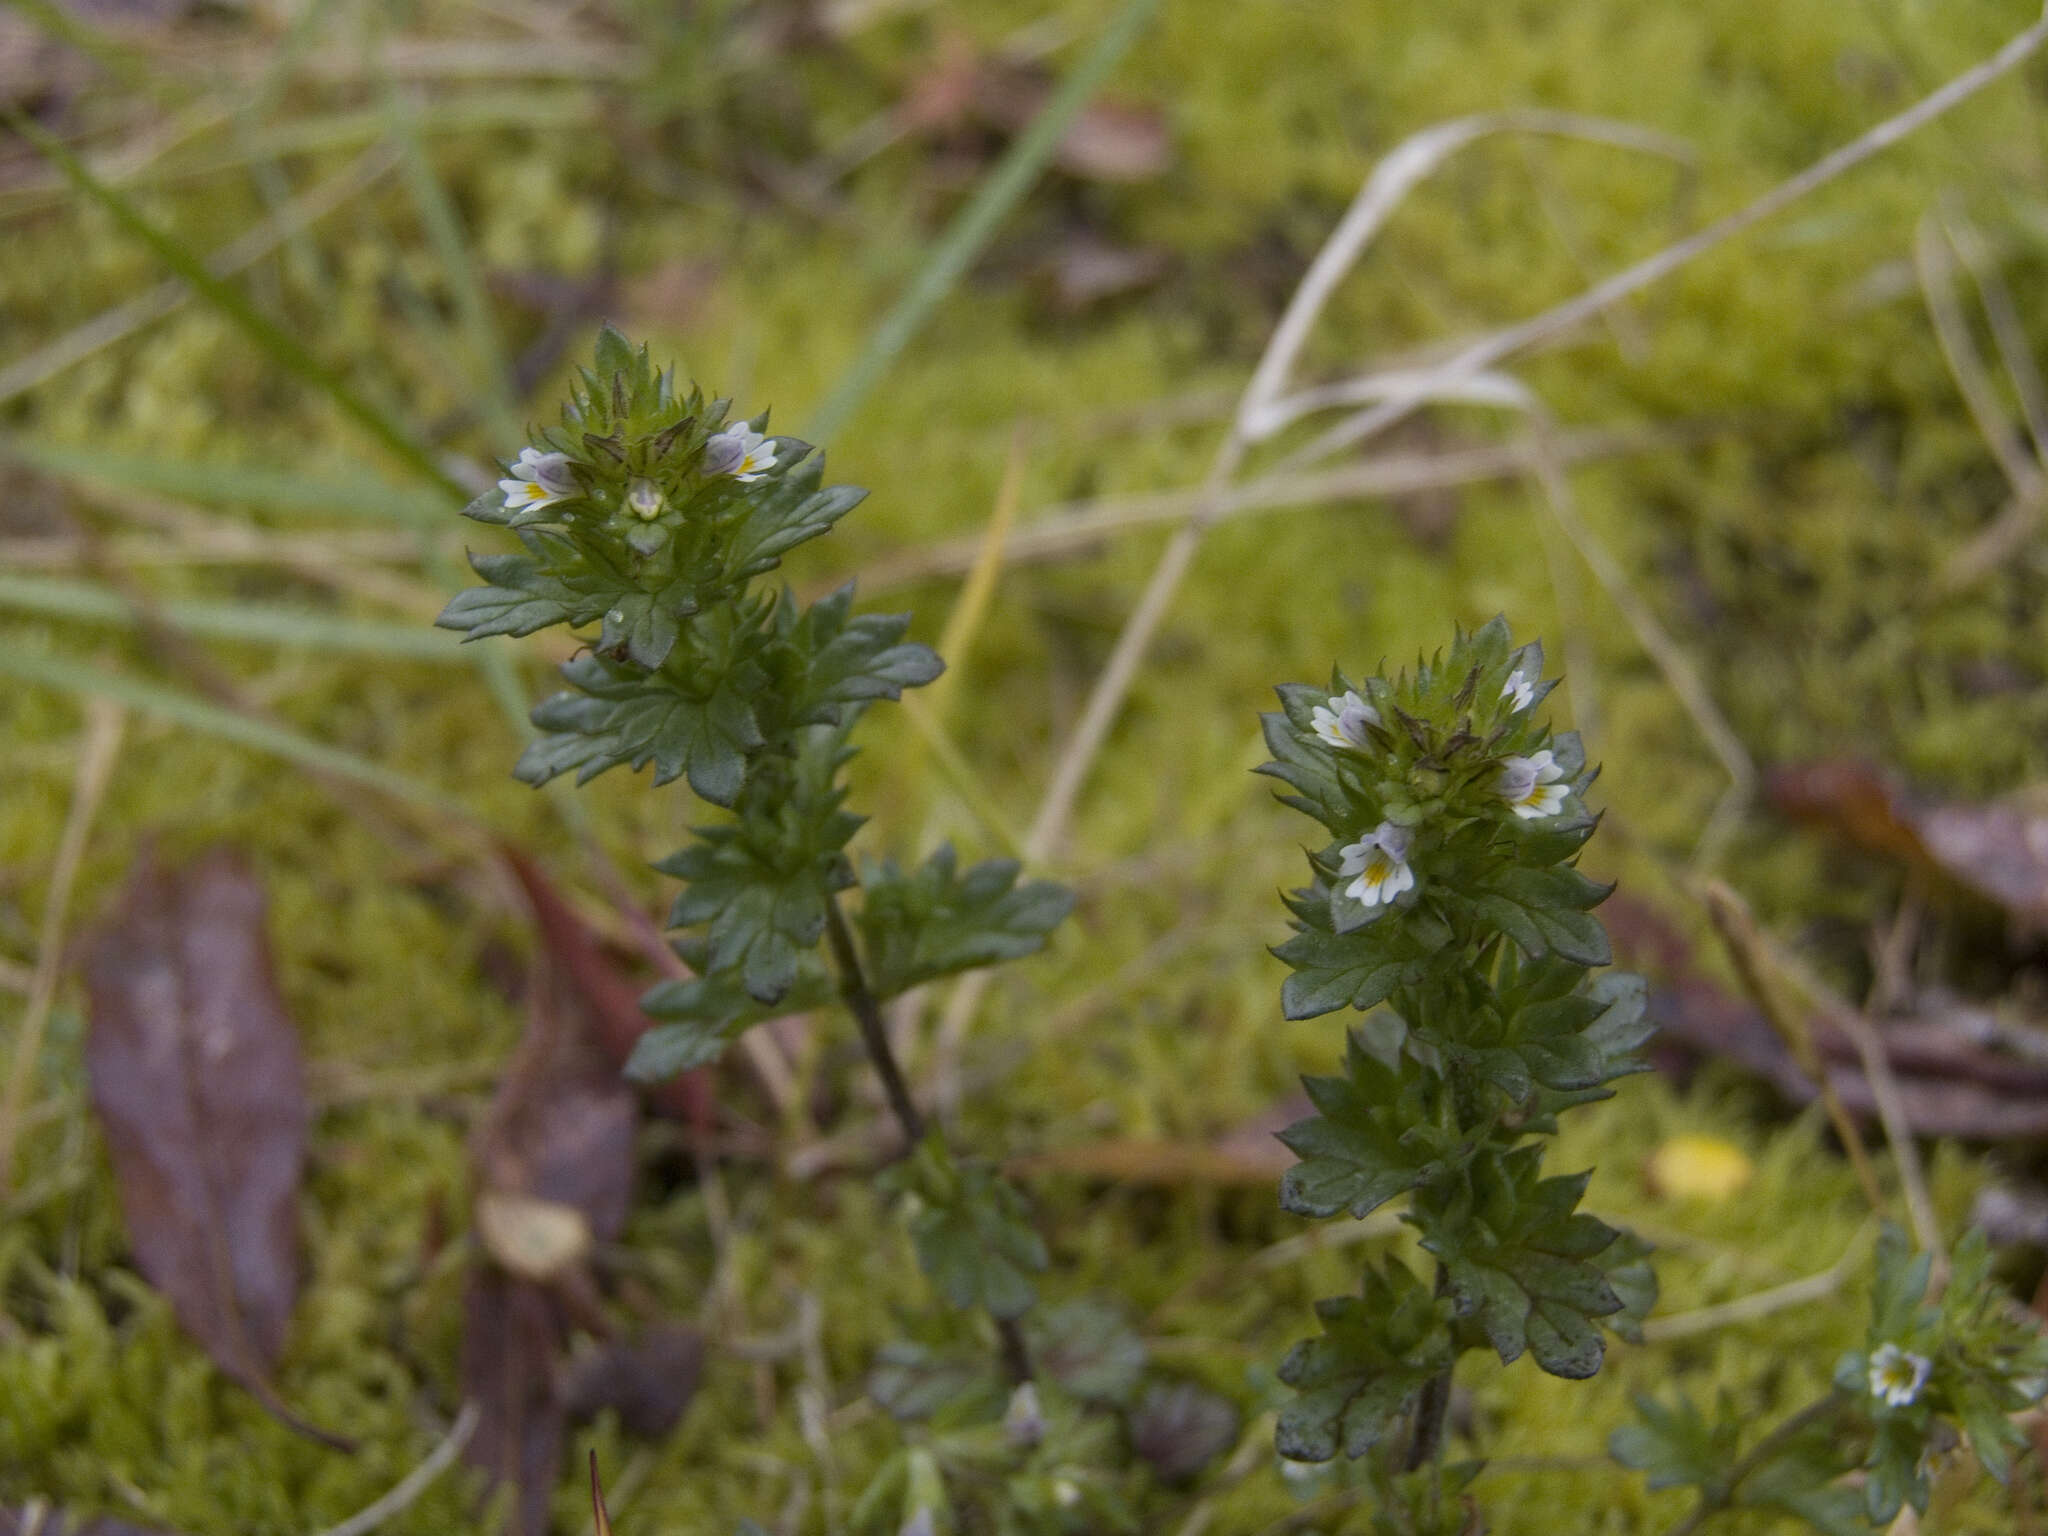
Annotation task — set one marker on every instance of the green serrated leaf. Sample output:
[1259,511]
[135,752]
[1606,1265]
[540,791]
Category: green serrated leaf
[1356,1154]
[935,921]
[1354,1382]
[621,715]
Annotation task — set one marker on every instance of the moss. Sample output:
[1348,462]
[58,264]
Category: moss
[1790,553]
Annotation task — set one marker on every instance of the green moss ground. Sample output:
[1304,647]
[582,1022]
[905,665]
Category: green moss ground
[1792,554]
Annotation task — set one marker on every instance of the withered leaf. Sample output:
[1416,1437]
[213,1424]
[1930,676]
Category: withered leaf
[648,1381]
[1949,1083]
[558,1140]
[513,1333]
[612,1001]
[1997,849]
[197,1079]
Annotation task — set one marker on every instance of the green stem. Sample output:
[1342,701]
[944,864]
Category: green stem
[860,1001]
[1720,1495]
[1426,1443]
[867,1014]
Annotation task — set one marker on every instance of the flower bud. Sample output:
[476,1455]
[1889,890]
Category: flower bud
[644,497]
[1024,1423]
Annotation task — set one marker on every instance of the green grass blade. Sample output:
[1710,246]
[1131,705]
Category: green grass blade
[232,484]
[211,720]
[268,623]
[260,328]
[489,366]
[975,223]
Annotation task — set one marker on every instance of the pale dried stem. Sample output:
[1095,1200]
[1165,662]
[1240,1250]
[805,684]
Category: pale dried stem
[96,759]
[1485,351]
[1076,528]
[1671,659]
[1932,260]
[1759,1304]
[406,1491]
[1759,967]
[2008,333]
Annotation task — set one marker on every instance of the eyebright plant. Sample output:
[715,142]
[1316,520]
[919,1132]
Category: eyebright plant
[1447,908]
[648,520]
[1938,1370]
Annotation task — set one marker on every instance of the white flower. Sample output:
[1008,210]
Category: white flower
[1532,785]
[538,480]
[1380,861]
[1342,721]
[1520,688]
[1896,1375]
[739,451]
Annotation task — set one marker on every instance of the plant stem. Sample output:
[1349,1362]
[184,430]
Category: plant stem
[867,1014]
[1431,1407]
[1721,1495]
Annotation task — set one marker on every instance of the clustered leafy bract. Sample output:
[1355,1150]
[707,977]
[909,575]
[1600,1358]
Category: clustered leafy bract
[649,533]
[1485,1019]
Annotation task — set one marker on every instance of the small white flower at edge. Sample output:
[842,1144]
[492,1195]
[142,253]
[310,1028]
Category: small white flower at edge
[1533,786]
[1897,1375]
[537,480]
[741,452]
[1520,689]
[1342,721]
[1380,861]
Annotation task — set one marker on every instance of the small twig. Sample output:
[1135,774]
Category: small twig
[414,1483]
[1680,675]
[1759,1304]
[1933,261]
[103,726]
[1759,969]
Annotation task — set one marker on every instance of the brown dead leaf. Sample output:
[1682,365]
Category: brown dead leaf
[1085,270]
[1997,849]
[554,1156]
[610,1001]
[197,1079]
[1951,1083]
[513,1335]
[1117,141]
[648,1380]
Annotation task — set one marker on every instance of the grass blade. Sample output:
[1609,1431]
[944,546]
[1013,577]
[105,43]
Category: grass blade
[282,346]
[488,364]
[268,623]
[197,714]
[229,484]
[975,223]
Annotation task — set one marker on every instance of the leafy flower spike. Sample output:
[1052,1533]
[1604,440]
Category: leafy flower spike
[1484,1020]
